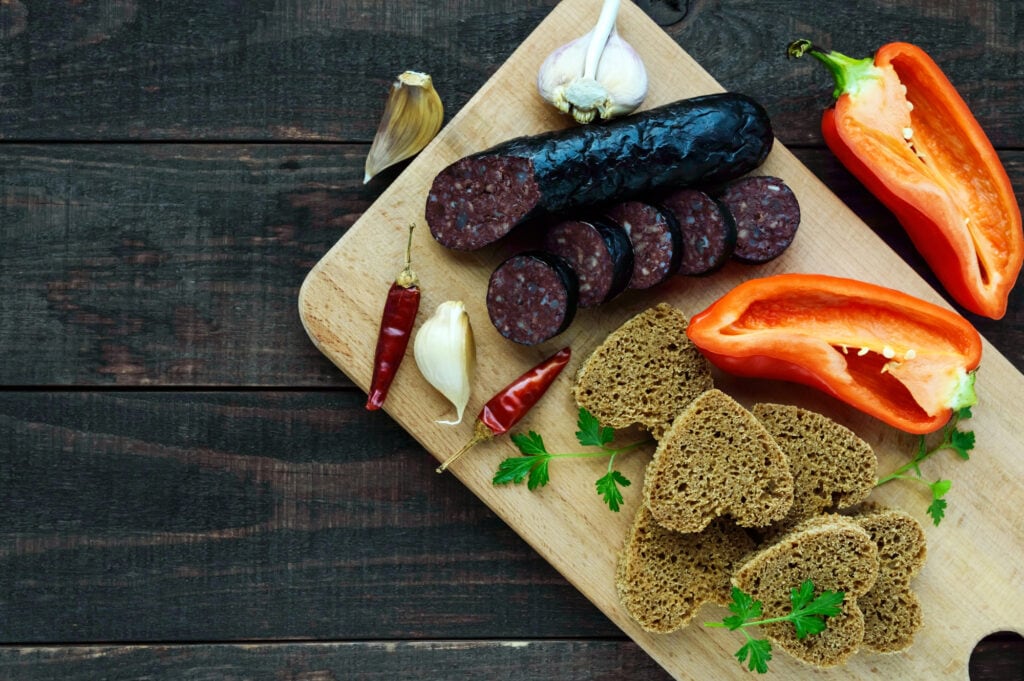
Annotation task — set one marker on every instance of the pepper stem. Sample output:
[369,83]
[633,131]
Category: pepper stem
[407,278]
[848,72]
[481,433]
[965,396]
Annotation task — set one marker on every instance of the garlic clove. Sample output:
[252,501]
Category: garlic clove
[561,68]
[445,354]
[412,117]
[622,74]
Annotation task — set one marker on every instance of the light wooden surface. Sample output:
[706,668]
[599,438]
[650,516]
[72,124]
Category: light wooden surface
[972,580]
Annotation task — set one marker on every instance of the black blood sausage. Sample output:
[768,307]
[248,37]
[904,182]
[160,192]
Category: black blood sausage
[709,233]
[656,239]
[532,297]
[766,214]
[600,253]
[703,140]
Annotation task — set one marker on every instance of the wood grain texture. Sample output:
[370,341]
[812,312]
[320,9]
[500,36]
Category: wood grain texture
[519,660]
[305,69]
[335,310]
[180,264]
[182,516]
[249,518]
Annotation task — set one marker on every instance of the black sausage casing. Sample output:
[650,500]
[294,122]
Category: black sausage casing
[702,140]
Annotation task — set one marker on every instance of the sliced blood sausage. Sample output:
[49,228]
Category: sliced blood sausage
[766,214]
[703,140]
[600,253]
[709,233]
[532,297]
[656,239]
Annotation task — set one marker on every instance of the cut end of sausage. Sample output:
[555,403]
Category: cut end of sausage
[656,239]
[709,234]
[477,200]
[766,214]
[532,297]
[599,252]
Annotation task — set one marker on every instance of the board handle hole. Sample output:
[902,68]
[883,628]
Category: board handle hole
[1000,655]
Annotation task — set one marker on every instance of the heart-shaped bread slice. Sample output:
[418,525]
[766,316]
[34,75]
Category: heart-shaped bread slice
[892,612]
[832,468]
[645,372]
[716,460]
[664,577]
[836,554]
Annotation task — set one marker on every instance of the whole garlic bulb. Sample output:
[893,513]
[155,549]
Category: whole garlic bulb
[446,354]
[598,74]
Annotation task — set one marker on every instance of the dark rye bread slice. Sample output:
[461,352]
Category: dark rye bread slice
[832,467]
[645,372]
[664,577]
[892,612]
[717,460]
[836,554]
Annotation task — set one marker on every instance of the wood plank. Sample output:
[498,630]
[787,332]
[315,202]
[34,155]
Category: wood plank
[560,522]
[180,264]
[177,516]
[183,516]
[523,660]
[305,69]
[531,660]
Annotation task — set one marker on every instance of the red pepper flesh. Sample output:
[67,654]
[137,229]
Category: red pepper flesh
[903,130]
[400,308]
[510,404]
[903,360]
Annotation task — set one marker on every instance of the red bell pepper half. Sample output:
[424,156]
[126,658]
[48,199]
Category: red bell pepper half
[903,360]
[900,127]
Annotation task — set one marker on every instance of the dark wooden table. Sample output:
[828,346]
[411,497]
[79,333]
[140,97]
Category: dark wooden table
[188,489]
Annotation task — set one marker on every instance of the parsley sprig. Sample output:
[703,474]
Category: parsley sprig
[532,465]
[959,441]
[808,618]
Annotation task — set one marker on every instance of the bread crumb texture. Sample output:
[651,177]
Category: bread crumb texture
[664,577]
[832,467]
[892,612]
[717,460]
[836,554]
[644,373]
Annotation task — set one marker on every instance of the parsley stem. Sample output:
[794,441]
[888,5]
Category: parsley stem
[903,476]
[603,451]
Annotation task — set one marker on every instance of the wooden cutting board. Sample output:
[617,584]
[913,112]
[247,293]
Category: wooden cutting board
[972,583]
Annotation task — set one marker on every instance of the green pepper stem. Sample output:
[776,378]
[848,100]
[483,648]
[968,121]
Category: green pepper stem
[848,72]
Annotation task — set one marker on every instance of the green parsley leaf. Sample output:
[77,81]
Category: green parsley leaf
[937,510]
[608,487]
[808,617]
[529,444]
[808,612]
[539,474]
[962,442]
[516,469]
[744,607]
[759,651]
[590,433]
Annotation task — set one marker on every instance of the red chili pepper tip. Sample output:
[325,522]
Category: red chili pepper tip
[511,403]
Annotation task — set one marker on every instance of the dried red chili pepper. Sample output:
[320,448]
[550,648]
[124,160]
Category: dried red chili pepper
[902,129]
[400,308]
[511,403]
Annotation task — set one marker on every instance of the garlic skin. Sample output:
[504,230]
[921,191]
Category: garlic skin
[445,354]
[598,74]
[412,117]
